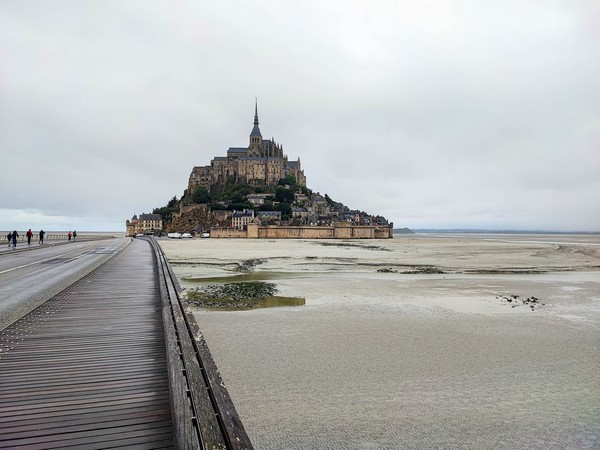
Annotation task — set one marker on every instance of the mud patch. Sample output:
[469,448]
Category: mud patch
[351,245]
[516,301]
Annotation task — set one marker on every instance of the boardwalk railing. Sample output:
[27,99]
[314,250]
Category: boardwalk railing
[203,413]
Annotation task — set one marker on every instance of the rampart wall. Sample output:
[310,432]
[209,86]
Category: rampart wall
[343,231]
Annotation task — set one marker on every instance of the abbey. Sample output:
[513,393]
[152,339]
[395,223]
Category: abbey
[261,163]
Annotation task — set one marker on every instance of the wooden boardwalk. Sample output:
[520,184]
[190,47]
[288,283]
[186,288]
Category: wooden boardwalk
[100,366]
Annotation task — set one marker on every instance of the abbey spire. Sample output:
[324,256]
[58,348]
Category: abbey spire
[255,136]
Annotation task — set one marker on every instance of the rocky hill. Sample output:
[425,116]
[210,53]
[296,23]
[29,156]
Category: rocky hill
[196,218]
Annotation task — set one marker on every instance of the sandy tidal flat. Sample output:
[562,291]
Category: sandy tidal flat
[417,342]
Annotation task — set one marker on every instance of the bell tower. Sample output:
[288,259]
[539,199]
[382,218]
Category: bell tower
[255,147]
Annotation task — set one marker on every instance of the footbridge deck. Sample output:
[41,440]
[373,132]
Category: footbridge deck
[114,361]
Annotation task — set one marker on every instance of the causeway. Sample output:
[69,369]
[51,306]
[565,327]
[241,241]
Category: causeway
[116,360]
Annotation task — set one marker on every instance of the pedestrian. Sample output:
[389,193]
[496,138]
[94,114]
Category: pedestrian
[29,236]
[42,233]
[74,235]
[15,235]
[9,238]
[69,235]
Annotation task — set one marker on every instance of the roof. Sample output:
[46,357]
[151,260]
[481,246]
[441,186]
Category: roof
[150,217]
[259,158]
[237,150]
[244,213]
[255,131]
[257,195]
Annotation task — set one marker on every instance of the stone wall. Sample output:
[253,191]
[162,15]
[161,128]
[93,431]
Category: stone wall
[342,231]
[227,232]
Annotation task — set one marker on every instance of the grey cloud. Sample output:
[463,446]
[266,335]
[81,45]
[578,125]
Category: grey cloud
[434,114]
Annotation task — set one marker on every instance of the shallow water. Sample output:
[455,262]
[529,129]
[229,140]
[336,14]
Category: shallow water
[251,276]
[391,360]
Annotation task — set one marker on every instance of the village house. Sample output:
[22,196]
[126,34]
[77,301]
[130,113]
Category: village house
[241,219]
[269,217]
[299,212]
[257,199]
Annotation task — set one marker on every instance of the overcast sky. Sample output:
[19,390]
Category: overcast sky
[434,114]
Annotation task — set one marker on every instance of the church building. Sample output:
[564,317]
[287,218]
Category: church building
[261,163]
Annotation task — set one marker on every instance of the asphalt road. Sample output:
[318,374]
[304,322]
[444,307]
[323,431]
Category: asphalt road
[29,278]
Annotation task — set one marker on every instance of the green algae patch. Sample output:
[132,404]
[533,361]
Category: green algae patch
[242,295]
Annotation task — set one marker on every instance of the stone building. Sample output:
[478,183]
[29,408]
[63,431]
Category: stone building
[145,224]
[240,219]
[261,163]
[269,217]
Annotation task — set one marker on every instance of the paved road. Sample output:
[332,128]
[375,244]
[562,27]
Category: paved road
[29,278]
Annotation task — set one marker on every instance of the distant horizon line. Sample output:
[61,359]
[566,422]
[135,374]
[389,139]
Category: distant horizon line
[496,230]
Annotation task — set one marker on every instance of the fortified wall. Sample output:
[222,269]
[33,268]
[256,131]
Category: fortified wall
[337,231]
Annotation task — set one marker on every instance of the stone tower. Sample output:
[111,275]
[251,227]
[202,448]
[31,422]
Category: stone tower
[255,148]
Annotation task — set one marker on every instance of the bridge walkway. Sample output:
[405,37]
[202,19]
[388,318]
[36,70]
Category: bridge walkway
[97,366]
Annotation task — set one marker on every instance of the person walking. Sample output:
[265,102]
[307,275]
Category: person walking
[69,235]
[74,235]
[9,238]
[15,235]
[29,236]
[41,234]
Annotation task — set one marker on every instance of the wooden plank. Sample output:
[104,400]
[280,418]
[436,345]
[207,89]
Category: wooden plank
[88,369]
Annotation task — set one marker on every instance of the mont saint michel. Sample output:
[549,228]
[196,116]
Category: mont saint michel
[258,192]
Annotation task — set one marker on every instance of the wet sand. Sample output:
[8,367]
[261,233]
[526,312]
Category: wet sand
[387,360]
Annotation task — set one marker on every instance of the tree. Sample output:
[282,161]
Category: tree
[238,198]
[172,202]
[289,180]
[201,195]
[215,206]
[286,210]
[268,206]
[283,195]
[239,206]
[165,212]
